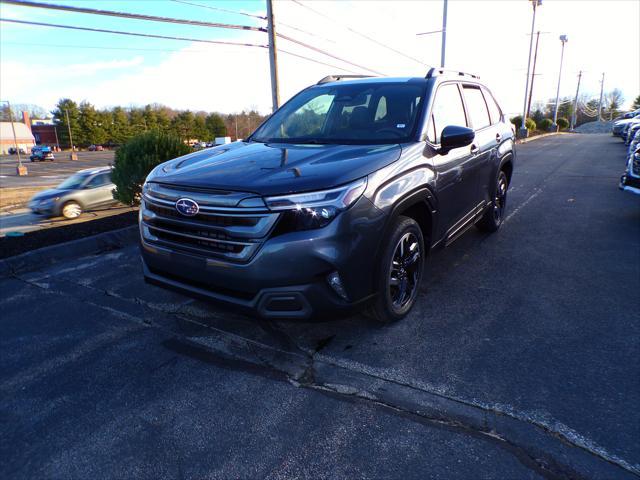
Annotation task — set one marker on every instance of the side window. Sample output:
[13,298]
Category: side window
[477,107]
[494,109]
[381,111]
[447,110]
[99,180]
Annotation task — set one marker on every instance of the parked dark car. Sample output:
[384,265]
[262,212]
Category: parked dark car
[85,190]
[335,201]
[41,154]
[96,148]
[13,151]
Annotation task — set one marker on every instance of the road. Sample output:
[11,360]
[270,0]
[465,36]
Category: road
[49,173]
[537,327]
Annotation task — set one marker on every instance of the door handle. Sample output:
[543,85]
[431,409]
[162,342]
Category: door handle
[498,137]
[474,148]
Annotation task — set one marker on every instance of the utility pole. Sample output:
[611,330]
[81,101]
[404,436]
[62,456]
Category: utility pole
[444,34]
[523,132]
[55,130]
[533,73]
[574,115]
[600,101]
[21,170]
[273,57]
[73,155]
[564,39]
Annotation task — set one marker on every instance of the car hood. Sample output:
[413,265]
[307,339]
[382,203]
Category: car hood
[49,193]
[268,169]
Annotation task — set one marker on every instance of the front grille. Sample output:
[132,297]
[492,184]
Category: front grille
[221,228]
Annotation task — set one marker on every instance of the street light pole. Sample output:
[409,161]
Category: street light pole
[533,74]
[564,39]
[273,57]
[523,128]
[574,115]
[73,155]
[600,101]
[444,34]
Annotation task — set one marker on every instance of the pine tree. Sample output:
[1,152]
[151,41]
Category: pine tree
[215,126]
[64,106]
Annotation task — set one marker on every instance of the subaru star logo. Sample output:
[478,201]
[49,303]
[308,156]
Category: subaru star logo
[187,207]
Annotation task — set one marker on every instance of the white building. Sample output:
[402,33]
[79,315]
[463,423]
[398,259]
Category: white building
[24,137]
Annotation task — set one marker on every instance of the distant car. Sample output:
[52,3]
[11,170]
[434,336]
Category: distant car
[85,190]
[41,154]
[96,148]
[13,151]
[630,180]
[631,131]
[619,128]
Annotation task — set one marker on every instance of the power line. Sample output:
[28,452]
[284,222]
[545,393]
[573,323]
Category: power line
[219,9]
[100,47]
[280,23]
[133,16]
[120,32]
[27,3]
[360,34]
[323,52]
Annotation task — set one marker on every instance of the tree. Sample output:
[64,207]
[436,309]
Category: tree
[90,125]
[137,121]
[120,131]
[137,157]
[64,106]
[215,126]
[183,125]
[612,103]
[636,103]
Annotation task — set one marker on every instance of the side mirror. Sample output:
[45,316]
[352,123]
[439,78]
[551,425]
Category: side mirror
[453,136]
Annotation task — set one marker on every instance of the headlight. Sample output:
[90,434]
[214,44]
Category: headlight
[305,211]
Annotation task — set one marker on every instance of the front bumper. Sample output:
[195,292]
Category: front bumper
[630,183]
[287,276]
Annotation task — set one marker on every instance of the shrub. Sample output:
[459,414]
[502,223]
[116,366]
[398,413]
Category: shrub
[530,124]
[136,158]
[517,122]
[562,123]
[545,124]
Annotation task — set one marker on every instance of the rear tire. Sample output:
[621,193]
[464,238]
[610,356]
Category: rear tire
[400,272]
[71,210]
[494,216]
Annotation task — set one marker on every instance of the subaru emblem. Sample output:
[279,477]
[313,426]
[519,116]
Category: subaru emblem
[187,207]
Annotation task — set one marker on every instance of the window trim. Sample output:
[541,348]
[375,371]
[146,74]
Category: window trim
[477,86]
[430,111]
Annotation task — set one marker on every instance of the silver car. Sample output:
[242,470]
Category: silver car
[85,190]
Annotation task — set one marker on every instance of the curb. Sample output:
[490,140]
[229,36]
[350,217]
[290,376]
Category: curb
[46,256]
[544,135]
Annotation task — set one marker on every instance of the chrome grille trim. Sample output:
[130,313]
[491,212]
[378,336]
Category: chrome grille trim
[220,230]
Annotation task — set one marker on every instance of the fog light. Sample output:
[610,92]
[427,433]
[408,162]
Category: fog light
[336,283]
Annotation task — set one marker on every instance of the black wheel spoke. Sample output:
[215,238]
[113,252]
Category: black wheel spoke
[404,271]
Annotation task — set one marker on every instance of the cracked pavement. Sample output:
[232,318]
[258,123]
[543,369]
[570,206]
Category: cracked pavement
[520,360]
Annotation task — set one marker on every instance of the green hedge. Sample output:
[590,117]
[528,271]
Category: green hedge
[136,158]
[545,124]
[517,122]
[563,123]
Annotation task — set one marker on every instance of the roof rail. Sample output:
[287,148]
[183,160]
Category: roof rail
[433,71]
[336,78]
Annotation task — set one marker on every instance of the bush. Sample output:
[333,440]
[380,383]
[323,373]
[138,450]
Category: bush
[517,122]
[136,158]
[562,123]
[530,124]
[545,124]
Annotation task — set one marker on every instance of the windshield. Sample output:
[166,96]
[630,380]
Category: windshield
[360,113]
[73,182]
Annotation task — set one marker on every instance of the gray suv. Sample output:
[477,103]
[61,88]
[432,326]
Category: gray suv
[85,190]
[335,201]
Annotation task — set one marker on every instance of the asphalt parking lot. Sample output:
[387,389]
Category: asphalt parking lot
[49,173]
[520,360]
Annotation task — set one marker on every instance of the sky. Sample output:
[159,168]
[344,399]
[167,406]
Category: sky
[39,65]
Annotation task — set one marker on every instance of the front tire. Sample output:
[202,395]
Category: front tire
[400,272]
[71,210]
[494,216]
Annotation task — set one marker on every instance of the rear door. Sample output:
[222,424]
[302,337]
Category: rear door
[98,191]
[455,184]
[485,140]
